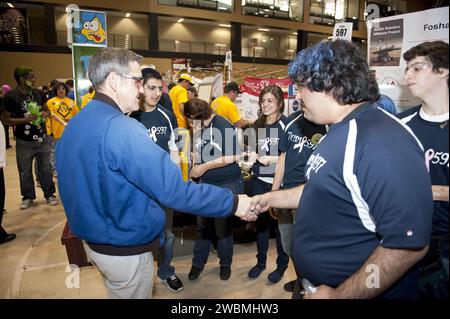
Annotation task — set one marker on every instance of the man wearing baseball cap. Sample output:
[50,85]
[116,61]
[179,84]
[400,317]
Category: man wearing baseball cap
[178,96]
[224,105]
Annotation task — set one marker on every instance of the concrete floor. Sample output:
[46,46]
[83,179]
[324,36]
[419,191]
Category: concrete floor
[35,265]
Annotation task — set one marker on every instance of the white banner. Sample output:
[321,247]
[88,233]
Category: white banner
[248,106]
[389,38]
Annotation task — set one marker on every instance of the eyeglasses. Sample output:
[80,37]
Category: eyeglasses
[417,67]
[137,79]
[153,88]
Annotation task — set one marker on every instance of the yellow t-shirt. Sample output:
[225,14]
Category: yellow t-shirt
[223,106]
[178,95]
[64,109]
[85,99]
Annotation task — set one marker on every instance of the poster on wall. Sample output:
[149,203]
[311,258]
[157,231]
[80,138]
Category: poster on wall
[89,28]
[389,38]
[80,59]
[13,26]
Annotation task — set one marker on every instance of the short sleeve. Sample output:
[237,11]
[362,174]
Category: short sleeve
[233,113]
[397,192]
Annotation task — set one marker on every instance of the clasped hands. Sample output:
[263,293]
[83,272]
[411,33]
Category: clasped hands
[250,207]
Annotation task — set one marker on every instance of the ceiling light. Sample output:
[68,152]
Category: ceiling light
[265,30]
[294,33]
[225,25]
[10,5]
[180,20]
[176,41]
[127,15]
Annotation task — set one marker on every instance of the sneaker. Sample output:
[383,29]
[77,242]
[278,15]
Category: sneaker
[173,283]
[52,201]
[194,272]
[26,203]
[289,286]
[225,273]
[275,276]
[256,271]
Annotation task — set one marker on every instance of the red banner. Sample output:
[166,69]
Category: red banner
[254,85]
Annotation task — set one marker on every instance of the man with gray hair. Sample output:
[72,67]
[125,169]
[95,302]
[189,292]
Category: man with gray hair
[111,195]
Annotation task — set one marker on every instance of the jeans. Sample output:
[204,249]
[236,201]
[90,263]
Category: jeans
[165,253]
[26,151]
[263,224]
[286,218]
[207,227]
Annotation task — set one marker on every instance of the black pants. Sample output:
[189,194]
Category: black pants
[3,232]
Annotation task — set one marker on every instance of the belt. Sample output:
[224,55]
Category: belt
[112,250]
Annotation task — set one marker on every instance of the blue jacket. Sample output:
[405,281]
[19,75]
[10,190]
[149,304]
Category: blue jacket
[112,179]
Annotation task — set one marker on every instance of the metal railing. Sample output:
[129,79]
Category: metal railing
[125,41]
[192,47]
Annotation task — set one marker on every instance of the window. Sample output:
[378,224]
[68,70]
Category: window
[268,43]
[215,5]
[328,12]
[280,9]
[193,36]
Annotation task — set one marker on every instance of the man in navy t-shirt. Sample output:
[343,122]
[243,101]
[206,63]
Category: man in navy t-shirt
[426,75]
[364,214]
[161,125]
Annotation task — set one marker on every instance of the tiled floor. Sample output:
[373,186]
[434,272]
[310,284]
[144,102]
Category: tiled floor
[34,265]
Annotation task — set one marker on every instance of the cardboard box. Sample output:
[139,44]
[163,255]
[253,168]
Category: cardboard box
[74,248]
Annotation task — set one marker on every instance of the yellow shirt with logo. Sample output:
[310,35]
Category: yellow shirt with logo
[64,109]
[223,106]
[85,99]
[178,95]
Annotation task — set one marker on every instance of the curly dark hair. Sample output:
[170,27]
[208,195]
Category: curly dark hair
[435,51]
[197,109]
[335,67]
[276,91]
[58,85]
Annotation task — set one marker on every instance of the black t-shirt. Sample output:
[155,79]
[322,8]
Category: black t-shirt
[299,140]
[166,102]
[218,139]
[367,187]
[161,125]
[433,134]
[15,102]
[268,140]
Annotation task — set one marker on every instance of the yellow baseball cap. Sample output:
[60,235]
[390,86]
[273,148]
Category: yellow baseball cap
[187,77]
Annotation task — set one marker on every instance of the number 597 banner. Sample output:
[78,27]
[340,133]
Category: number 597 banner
[343,31]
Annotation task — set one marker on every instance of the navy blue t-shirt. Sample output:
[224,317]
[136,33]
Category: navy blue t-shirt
[161,125]
[268,140]
[218,139]
[433,134]
[367,186]
[299,140]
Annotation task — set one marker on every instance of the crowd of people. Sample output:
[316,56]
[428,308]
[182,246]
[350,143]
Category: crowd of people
[356,194]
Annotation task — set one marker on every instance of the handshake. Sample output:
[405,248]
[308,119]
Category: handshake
[250,207]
